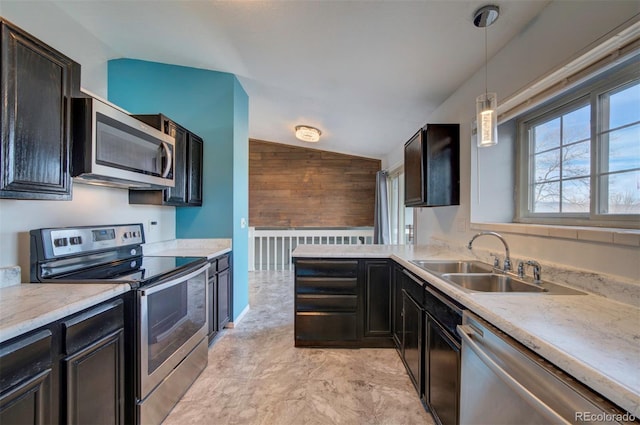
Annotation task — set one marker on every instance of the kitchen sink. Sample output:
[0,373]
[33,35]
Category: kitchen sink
[484,282]
[476,276]
[453,266]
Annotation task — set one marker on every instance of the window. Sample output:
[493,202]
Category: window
[580,155]
[400,218]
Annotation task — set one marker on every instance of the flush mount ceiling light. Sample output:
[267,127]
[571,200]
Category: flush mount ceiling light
[486,103]
[307,133]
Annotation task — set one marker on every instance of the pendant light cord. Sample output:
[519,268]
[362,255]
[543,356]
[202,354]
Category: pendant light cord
[486,63]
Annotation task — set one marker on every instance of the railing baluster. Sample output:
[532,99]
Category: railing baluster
[264,256]
[260,255]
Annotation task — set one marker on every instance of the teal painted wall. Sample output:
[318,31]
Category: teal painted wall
[241,186]
[214,106]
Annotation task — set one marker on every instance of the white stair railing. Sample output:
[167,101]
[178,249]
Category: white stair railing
[270,249]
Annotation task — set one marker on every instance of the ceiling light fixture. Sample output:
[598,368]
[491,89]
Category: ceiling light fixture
[486,103]
[307,134]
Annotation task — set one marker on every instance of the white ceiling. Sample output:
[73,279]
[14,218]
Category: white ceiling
[367,73]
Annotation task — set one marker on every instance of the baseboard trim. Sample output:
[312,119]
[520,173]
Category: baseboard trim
[232,325]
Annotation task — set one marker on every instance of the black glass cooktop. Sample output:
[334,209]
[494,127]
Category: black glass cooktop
[141,270]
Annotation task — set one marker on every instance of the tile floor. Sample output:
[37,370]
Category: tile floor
[256,376]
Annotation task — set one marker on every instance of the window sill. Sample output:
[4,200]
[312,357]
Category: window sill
[626,237]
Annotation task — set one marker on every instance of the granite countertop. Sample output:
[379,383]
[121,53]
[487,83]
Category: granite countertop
[27,306]
[210,248]
[593,338]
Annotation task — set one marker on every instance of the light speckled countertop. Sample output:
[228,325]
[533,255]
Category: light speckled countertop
[209,248]
[27,306]
[592,338]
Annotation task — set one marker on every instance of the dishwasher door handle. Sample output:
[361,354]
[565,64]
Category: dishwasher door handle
[466,332]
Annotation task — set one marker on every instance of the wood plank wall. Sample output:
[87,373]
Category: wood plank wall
[291,186]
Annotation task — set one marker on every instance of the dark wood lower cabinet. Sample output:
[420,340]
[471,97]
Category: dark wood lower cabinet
[412,341]
[442,391]
[220,294]
[95,382]
[224,298]
[25,379]
[396,307]
[342,303]
[377,299]
[72,371]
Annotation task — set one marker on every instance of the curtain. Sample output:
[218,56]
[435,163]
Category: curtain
[381,234]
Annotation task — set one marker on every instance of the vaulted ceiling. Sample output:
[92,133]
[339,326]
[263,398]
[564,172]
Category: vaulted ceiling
[367,73]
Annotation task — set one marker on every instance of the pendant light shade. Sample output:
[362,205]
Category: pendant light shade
[487,103]
[487,116]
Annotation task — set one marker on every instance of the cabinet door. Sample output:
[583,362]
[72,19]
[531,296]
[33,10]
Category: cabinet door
[25,380]
[413,178]
[396,304]
[442,392]
[377,299]
[224,292]
[93,369]
[412,351]
[177,194]
[442,165]
[95,382]
[212,288]
[194,170]
[36,94]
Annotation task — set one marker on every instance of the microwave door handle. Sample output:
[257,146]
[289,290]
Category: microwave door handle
[167,168]
[466,332]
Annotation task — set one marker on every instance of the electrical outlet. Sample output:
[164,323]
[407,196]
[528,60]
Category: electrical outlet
[243,223]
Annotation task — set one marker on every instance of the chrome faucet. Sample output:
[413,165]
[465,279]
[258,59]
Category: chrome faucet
[507,260]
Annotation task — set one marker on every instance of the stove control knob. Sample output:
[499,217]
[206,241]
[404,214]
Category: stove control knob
[133,252]
[133,264]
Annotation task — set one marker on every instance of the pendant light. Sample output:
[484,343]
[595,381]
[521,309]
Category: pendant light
[486,103]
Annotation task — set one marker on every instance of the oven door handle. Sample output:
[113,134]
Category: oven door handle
[172,282]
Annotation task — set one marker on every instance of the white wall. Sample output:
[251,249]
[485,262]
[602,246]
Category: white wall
[558,33]
[91,205]
[49,23]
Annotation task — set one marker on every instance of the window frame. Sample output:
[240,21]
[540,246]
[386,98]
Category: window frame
[589,92]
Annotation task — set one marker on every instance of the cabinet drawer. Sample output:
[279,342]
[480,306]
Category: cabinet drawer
[323,285]
[223,263]
[213,267]
[326,303]
[85,328]
[24,358]
[320,268]
[326,326]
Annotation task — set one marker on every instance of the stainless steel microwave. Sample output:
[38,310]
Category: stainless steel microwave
[111,148]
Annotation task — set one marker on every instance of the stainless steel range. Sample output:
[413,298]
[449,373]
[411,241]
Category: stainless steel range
[171,303]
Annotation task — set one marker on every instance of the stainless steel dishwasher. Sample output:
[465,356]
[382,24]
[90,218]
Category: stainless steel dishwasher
[503,382]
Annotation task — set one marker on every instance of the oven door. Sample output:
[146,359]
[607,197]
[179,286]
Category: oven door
[173,320]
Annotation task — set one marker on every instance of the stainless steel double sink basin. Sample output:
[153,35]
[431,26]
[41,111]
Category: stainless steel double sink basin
[476,276]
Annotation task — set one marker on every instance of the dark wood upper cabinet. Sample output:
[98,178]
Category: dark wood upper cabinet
[37,85]
[432,166]
[187,191]
[194,170]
